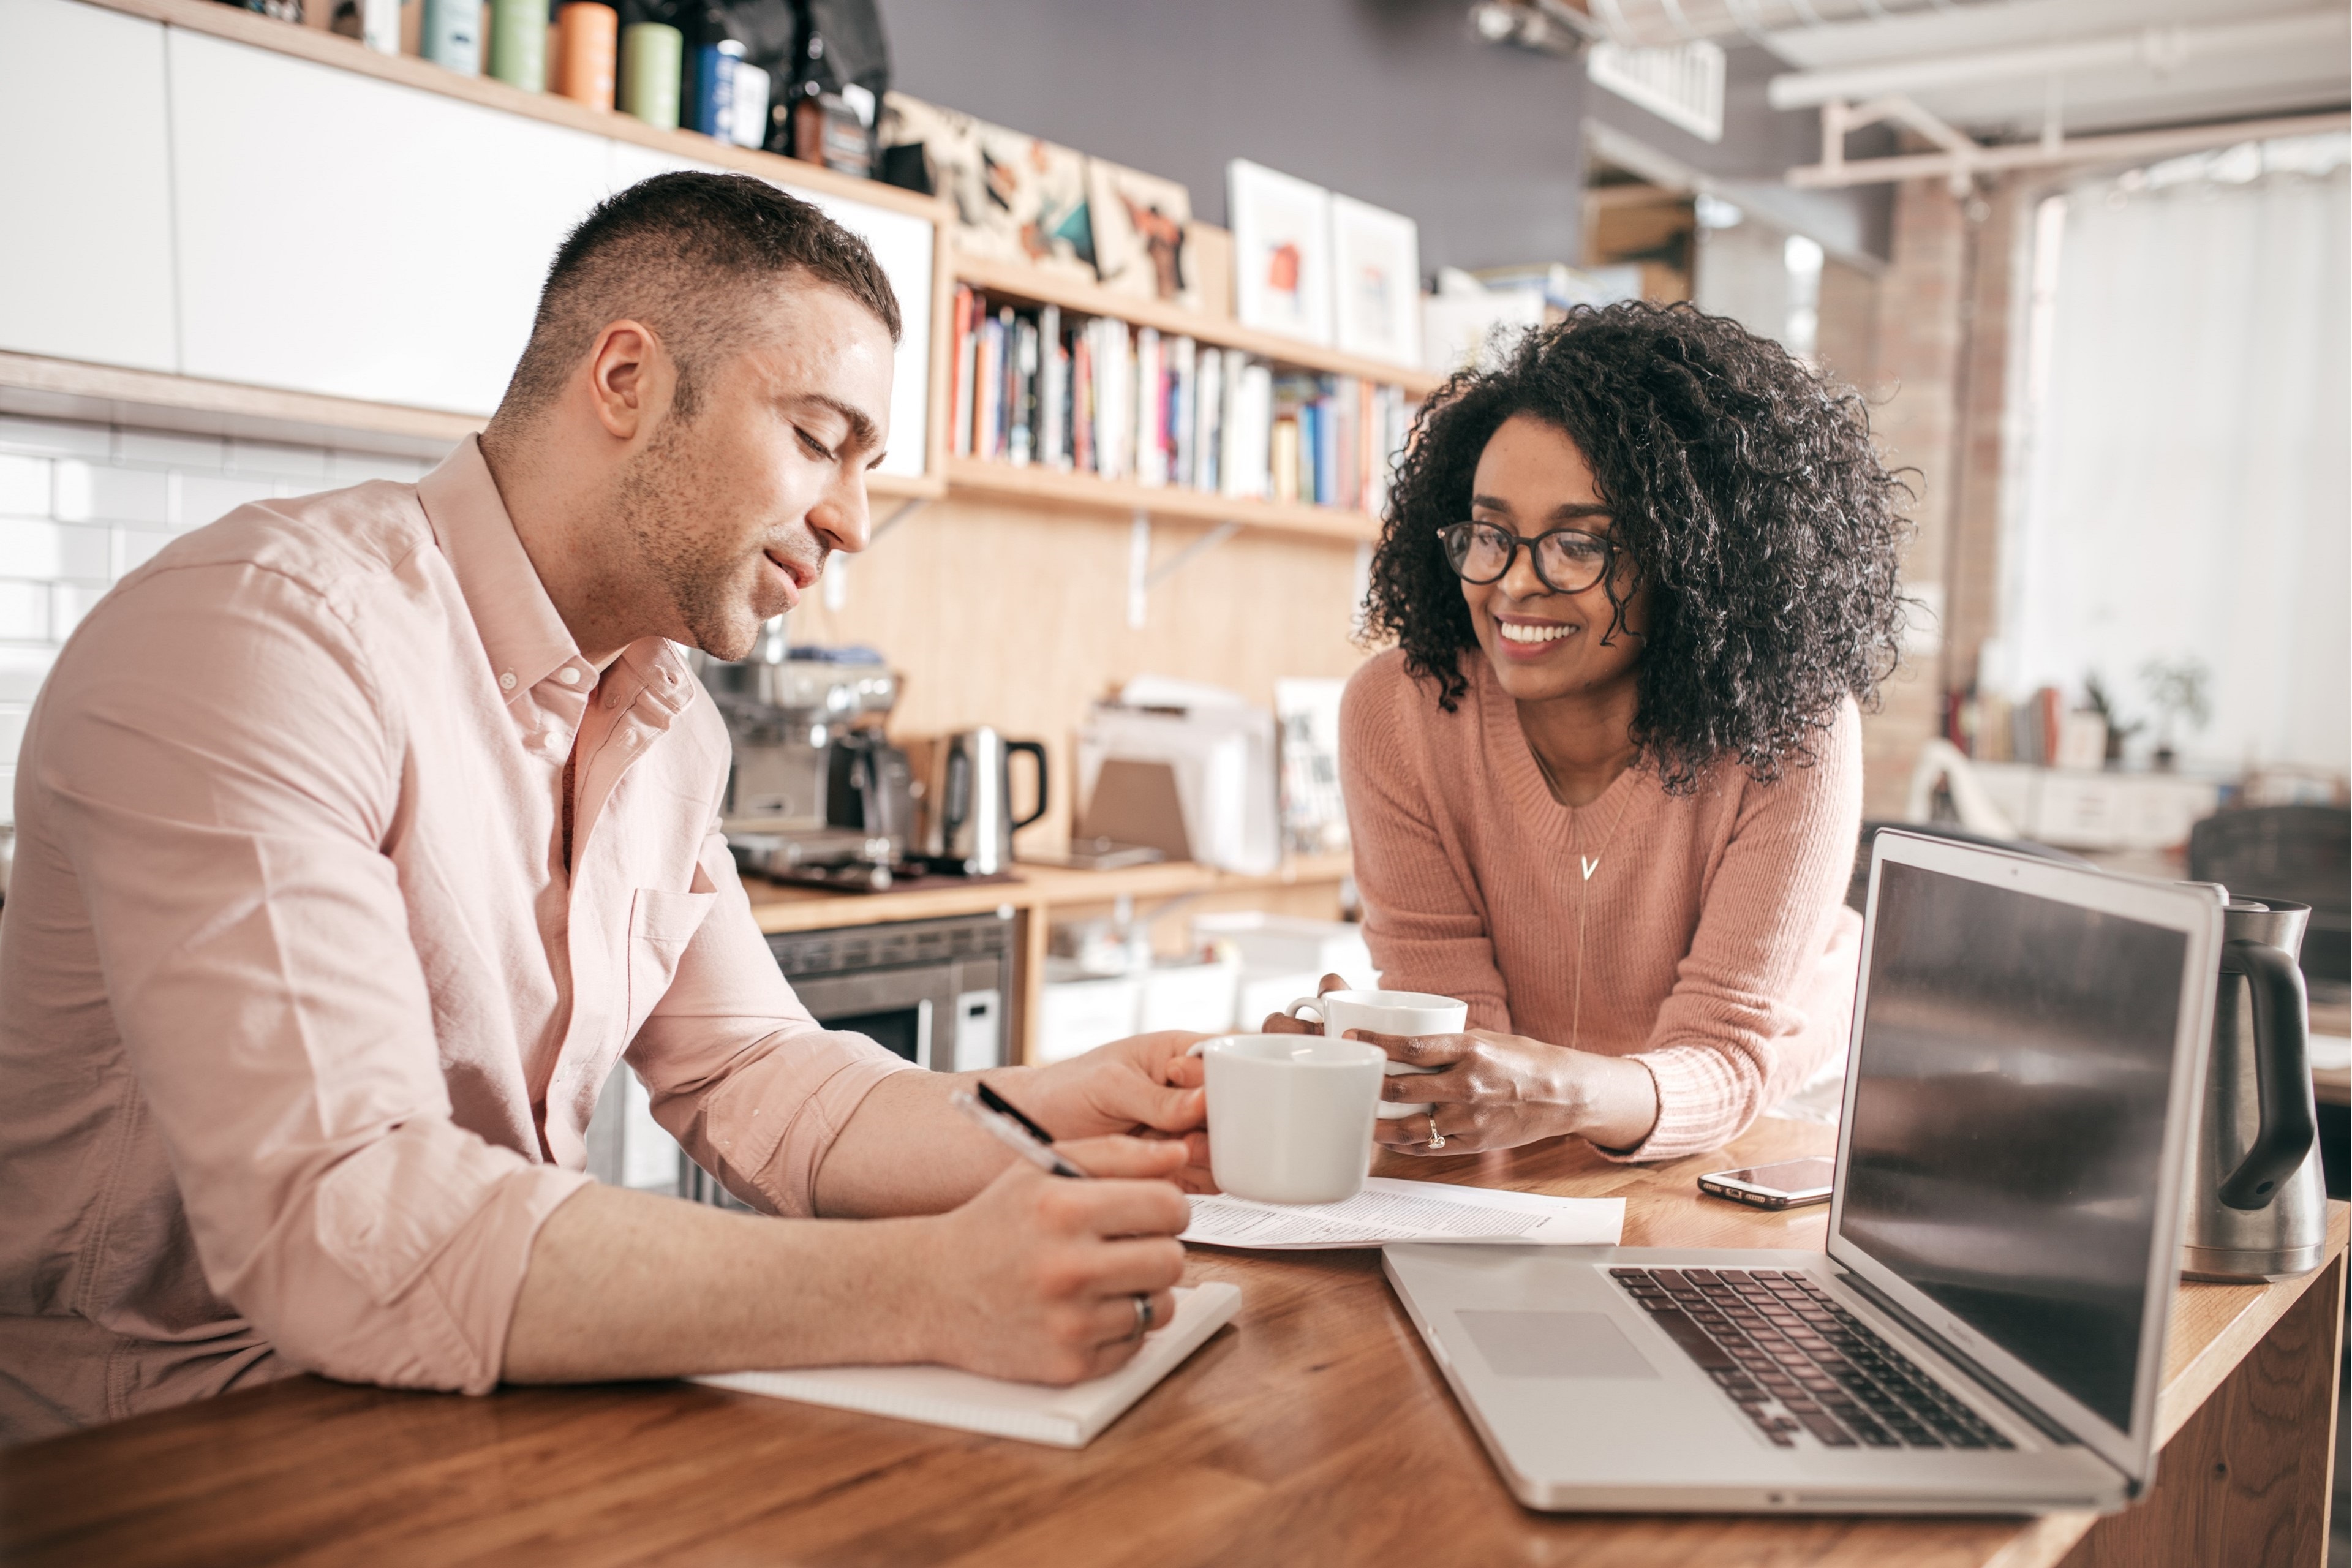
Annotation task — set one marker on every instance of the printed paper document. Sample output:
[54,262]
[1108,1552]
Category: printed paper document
[1389,1211]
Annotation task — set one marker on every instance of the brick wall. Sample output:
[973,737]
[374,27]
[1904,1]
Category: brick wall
[81,504]
[1915,380]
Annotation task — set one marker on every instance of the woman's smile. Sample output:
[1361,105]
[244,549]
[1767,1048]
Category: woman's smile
[1524,636]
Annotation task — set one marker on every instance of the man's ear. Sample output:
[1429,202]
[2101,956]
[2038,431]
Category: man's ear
[630,376]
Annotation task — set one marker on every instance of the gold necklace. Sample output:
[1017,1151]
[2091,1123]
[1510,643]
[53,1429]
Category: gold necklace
[1588,864]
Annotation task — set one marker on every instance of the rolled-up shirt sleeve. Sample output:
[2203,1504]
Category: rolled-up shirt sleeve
[739,1072]
[225,779]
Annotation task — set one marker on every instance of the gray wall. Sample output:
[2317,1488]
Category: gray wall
[1391,102]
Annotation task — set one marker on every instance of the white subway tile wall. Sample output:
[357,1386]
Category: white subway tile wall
[82,504]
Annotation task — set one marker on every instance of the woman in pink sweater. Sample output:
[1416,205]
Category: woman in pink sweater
[1606,787]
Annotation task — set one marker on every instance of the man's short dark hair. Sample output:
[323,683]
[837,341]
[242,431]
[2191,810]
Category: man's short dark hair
[685,253]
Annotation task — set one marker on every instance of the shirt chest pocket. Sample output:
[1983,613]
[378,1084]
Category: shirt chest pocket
[661,924]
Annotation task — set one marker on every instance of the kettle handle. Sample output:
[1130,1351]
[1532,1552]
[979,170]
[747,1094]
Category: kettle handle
[1036,754]
[2282,1074]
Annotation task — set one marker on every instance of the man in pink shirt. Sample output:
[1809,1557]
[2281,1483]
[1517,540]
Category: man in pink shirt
[361,835]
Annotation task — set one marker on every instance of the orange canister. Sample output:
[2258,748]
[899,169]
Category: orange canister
[587,46]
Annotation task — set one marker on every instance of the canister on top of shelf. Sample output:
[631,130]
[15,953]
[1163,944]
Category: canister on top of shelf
[651,56]
[587,38]
[452,37]
[711,88]
[748,119]
[519,43]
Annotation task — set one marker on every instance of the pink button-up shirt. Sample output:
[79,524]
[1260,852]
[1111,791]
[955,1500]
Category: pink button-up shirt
[302,1017]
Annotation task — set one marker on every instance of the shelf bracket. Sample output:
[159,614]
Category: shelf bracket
[836,569]
[1142,577]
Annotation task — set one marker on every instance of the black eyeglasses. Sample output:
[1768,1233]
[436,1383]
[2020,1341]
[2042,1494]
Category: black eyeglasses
[1568,560]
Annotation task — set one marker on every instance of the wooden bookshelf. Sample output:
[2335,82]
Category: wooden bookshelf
[1020,280]
[983,479]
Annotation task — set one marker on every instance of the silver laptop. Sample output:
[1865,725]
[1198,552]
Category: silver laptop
[1986,1332]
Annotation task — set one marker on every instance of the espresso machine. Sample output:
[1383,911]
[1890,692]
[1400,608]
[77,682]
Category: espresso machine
[816,794]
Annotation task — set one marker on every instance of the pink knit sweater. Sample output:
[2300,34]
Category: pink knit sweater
[1715,949]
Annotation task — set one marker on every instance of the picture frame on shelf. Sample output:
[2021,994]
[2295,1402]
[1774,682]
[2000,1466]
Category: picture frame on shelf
[1375,282]
[1142,231]
[1018,197]
[1282,252]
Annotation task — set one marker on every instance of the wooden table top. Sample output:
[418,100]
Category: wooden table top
[1313,1429]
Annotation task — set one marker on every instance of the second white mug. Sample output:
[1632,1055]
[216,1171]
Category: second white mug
[1407,1014]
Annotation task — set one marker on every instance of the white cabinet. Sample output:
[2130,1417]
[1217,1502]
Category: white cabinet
[2077,810]
[177,201]
[343,234]
[85,186]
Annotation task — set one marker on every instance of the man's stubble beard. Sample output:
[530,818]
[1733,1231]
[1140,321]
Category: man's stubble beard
[701,573]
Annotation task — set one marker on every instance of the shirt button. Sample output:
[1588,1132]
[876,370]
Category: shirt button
[569,675]
[506,680]
[629,739]
[612,699]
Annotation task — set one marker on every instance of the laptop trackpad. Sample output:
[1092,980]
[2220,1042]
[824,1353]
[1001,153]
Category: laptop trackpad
[1553,1344]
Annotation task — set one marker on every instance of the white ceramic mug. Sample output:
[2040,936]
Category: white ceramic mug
[1290,1116]
[1403,1012]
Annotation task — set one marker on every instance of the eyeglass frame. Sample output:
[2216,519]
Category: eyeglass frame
[1518,541]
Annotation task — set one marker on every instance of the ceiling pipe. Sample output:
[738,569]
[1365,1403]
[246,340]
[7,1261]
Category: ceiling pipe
[2160,49]
[1835,170]
[1660,24]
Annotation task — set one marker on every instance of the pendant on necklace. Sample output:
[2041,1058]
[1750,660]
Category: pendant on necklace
[1591,863]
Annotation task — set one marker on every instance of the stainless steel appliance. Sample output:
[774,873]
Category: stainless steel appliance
[969,800]
[2258,1201]
[793,802]
[932,991]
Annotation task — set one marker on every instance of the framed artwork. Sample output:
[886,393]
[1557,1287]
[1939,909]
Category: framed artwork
[1282,252]
[1017,197]
[1142,226]
[1375,282]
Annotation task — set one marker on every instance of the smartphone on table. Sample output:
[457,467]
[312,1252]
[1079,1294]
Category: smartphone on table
[1783,1184]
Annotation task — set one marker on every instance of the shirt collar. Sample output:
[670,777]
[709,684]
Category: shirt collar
[525,640]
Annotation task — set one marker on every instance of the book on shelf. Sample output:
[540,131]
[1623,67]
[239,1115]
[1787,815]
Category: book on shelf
[1098,396]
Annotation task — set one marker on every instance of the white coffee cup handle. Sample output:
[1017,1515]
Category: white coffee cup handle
[1314,1001]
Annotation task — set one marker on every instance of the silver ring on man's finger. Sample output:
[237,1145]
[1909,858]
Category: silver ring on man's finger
[1143,1313]
[1436,1139]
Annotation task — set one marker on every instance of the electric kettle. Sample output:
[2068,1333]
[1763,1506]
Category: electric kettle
[2257,1200]
[969,800]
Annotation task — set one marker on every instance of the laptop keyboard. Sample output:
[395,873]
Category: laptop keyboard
[1794,1360]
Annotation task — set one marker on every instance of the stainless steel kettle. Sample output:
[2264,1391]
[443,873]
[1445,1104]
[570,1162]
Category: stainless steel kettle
[969,800]
[2258,1201]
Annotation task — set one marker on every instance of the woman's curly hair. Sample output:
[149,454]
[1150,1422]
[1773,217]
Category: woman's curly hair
[1742,486]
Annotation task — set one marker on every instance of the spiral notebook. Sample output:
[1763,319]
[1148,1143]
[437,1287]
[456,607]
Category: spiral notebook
[943,1397]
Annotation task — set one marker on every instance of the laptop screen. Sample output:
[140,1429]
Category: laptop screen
[2007,1131]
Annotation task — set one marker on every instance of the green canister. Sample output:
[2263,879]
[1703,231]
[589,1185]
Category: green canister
[651,53]
[519,43]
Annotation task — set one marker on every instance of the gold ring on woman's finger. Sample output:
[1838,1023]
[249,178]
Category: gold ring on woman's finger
[1436,1139]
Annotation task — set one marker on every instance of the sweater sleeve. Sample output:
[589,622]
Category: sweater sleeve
[1774,948]
[1425,919]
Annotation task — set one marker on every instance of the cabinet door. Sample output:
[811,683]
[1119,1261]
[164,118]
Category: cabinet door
[85,182]
[343,234]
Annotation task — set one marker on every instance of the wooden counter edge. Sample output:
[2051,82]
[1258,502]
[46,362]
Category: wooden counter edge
[779,908]
[2045,1541]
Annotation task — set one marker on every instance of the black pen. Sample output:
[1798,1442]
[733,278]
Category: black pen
[1013,1130]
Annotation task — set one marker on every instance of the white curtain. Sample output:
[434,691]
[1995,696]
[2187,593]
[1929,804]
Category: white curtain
[2186,488]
